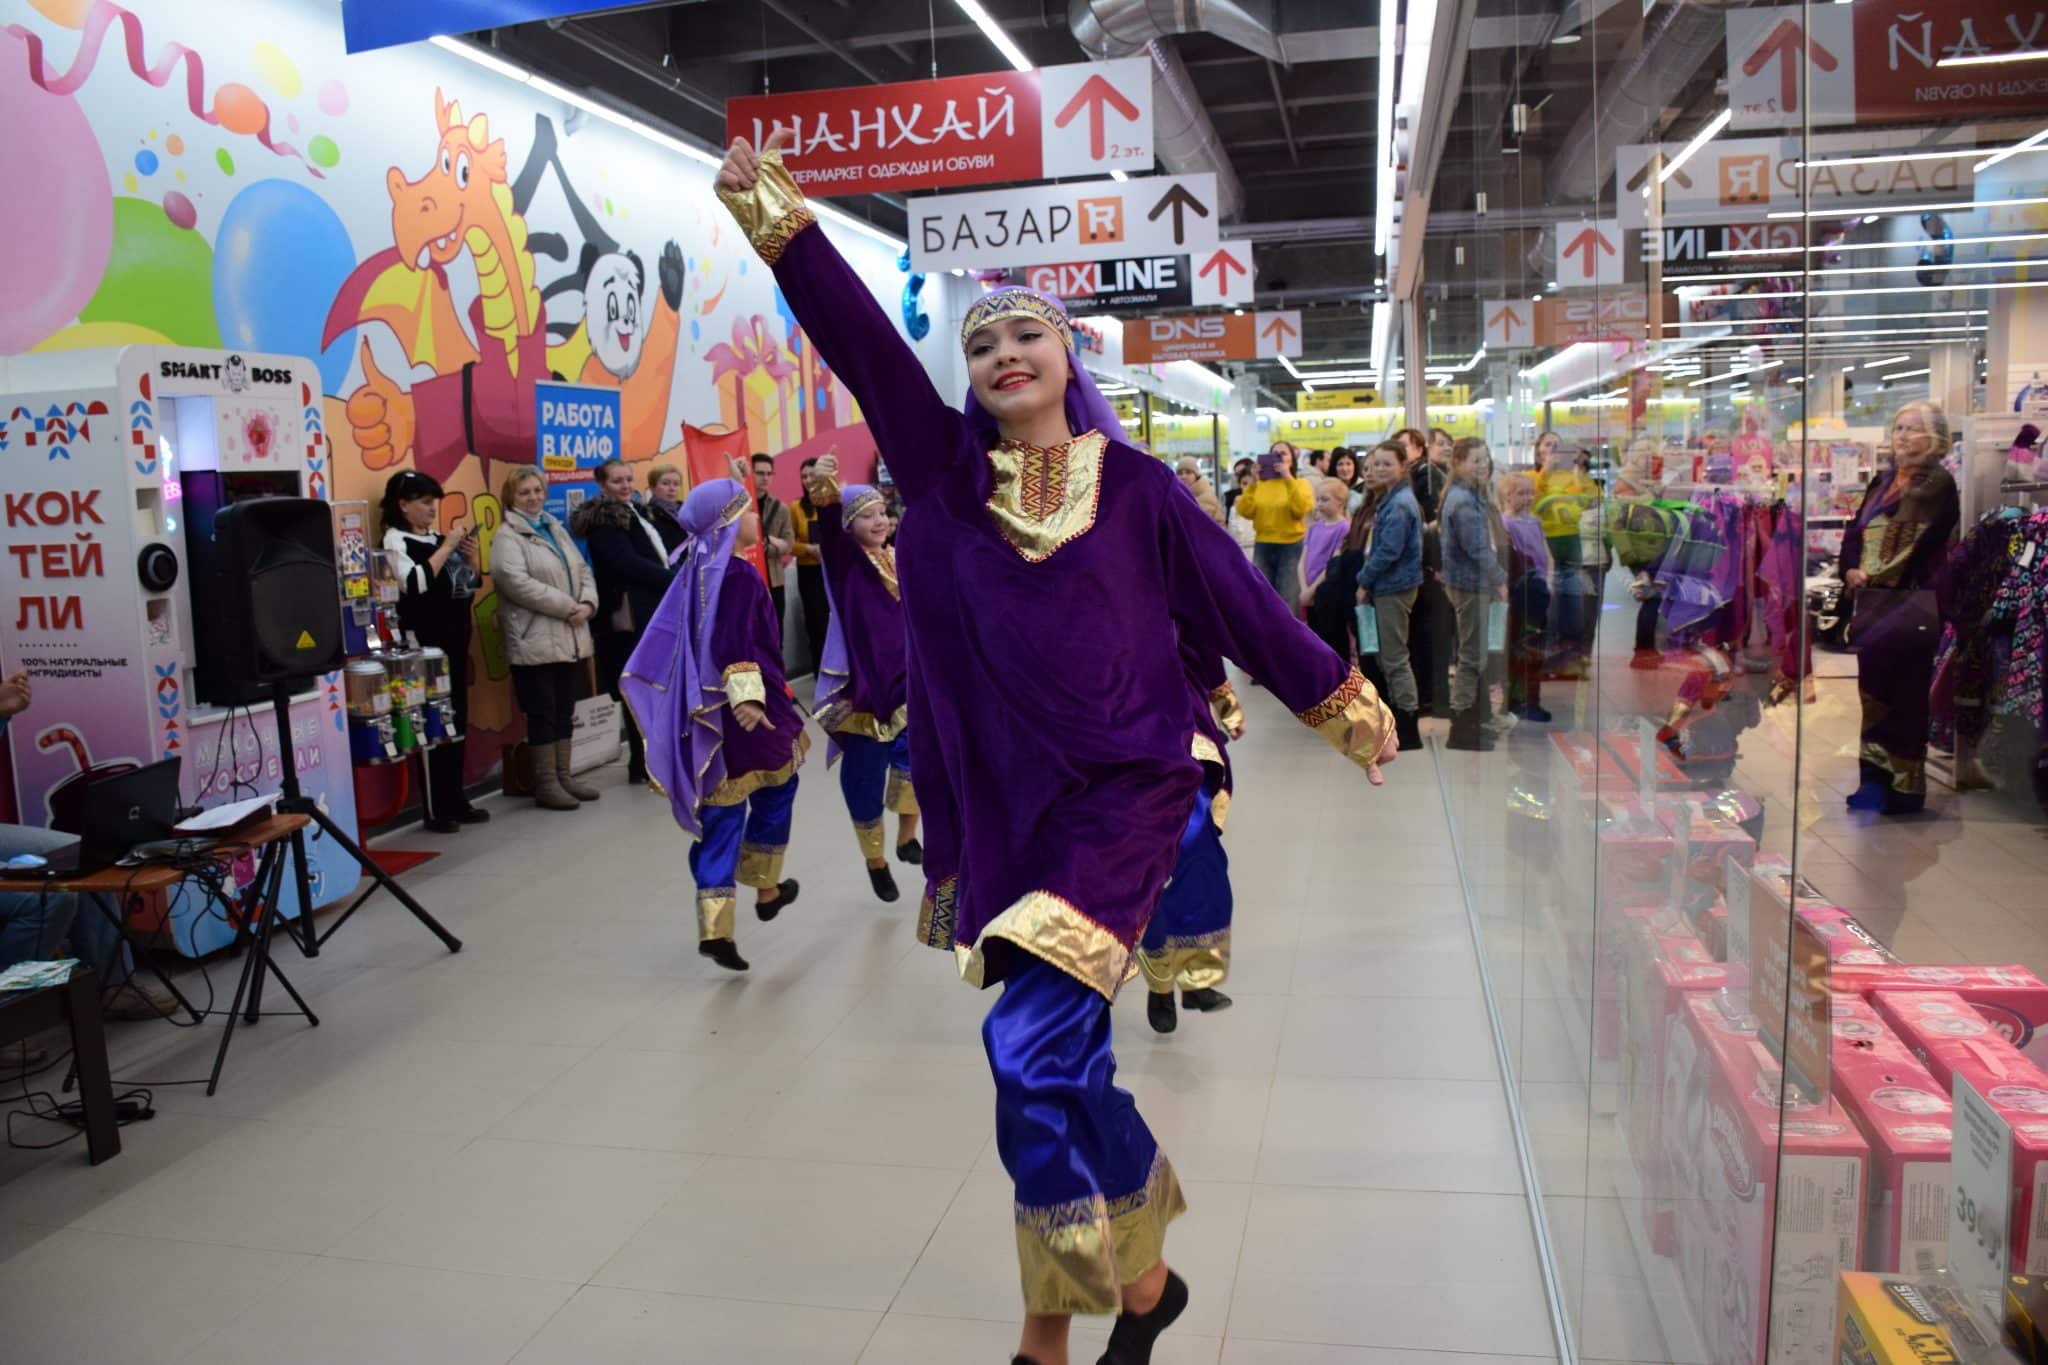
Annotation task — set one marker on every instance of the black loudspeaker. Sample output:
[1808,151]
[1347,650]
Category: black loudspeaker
[266,599]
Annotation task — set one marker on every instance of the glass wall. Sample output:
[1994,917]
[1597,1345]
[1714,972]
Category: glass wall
[1754,816]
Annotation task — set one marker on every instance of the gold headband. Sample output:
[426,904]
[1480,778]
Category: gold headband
[861,502]
[735,509]
[1016,303]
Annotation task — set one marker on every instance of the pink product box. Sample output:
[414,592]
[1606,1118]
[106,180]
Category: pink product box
[1702,843]
[1614,951]
[1711,923]
[1627,751]
[1635,855]
[1904,1114]
[1657,1063]
[1764,1229]
[2010,998]
[1848,942]
[1949,1037]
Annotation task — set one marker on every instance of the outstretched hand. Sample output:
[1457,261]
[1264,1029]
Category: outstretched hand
[1390,749]
[742,164]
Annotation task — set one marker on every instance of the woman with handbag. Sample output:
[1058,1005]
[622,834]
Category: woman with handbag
[1890,554]
[546,597]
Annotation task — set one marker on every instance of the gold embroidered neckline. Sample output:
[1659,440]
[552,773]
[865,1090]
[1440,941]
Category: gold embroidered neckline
[884,561]
[1042,497]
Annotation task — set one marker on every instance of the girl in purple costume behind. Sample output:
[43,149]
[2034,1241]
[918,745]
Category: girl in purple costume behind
[1049,573]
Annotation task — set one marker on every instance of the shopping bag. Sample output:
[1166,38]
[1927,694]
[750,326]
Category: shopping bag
[1887,619]
[1496,627]
[1368,630]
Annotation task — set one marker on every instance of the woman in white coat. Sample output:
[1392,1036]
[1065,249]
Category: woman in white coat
[546,597]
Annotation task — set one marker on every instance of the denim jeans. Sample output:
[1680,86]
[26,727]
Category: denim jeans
[33,924]
[1280,565]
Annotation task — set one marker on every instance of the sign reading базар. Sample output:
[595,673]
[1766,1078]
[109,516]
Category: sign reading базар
[1096,220]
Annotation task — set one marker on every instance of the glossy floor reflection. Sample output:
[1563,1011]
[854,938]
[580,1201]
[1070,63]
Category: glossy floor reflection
[576,1142]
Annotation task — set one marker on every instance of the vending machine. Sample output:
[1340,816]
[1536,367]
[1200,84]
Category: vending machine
[97,451]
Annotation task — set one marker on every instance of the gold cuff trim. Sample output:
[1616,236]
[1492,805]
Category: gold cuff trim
[869,835]
[1193,962]
[828,491]
[842,720]
[1077,1256]
[1219,809]
[1044,497]
[1227,710]
[1204,749]
[773,211]
[1352,720]
[761,865]
[715,912]
[743,683]
[899,796]
[937,915]
[734,790]
[1055,931]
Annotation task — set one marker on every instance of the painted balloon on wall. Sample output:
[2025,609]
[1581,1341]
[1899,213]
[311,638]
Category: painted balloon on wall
[279,258]
[59,223]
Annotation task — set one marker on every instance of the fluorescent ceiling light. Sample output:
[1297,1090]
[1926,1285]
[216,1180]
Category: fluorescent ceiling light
[1848,270]
[1877,246]
[1913,208]
[2029,145]
[490,61]
[1383,148]
[1288,365]
[1908,374]
[1733,374]
[1565,39]
[1878,289]
[1995,58]
[1853,317]
[1700,139]
[993,31]
[1888,158]
[1881,364]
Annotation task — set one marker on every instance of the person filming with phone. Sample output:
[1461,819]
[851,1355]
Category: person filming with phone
[1277,505]
[442,569]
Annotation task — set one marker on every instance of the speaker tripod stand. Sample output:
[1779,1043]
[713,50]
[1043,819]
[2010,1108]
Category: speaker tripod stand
[308,939]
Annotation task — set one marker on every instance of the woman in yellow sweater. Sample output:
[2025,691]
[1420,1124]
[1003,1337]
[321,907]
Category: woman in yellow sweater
[1277,505]
[1564,493]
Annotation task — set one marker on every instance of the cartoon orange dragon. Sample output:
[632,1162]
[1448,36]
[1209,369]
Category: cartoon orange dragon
[482,396]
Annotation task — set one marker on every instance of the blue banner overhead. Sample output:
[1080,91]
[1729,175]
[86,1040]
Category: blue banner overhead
[369,24]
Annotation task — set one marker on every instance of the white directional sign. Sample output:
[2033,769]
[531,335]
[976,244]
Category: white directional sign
[1046,224]
[1224,275]
[1589,253]
[1509,323]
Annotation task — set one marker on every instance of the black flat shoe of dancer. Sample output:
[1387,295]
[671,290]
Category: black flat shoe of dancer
[1130,1341]
[1160,1013]
[911,852]
[1206,999]
[785,893]
[724,952]
[884,884]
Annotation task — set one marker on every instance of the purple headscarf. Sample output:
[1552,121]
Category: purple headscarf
[1087,409]
[835,674]
[673,687]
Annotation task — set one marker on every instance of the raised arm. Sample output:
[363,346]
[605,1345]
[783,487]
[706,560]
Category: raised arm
[1221,604]
[922,434]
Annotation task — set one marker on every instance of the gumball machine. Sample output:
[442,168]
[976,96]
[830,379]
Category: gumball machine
[440,701]
[372,737]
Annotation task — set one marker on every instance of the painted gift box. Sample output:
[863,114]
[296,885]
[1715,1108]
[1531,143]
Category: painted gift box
[759,385]
[1950,1038]
[1773,1209]
[1904,1114]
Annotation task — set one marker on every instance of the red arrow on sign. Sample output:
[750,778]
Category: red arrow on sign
[1507,319]
[1222,263]
[1279,329]
[1785,43]
[1096,95]
[1589,241]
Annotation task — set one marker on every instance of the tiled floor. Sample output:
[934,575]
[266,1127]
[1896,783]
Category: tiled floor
[575,1142]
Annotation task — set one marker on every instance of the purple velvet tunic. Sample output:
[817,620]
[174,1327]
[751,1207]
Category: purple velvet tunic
[1047,594]
[871,624]
[745,639]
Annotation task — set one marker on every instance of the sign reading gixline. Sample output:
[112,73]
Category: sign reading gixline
[1213,336]
[1088,118]
[1168,215]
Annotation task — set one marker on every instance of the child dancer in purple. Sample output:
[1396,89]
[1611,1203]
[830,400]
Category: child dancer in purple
[1049,573]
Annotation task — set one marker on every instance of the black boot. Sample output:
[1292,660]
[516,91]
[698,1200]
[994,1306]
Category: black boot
[1466,734]
[636,754]
[1160,1013]
[786,893]
[724,952]
[1205,1000]
[884,884]
[1130,1341]
[910,851]
[1408,729]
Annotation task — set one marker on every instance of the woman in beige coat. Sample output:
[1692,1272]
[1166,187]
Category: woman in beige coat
[546,597]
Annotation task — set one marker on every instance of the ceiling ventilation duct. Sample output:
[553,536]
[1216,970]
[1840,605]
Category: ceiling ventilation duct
[1183,136]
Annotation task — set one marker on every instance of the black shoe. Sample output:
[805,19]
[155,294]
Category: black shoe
[441,826]
[1205,1000]
[1408,729]
[474,815]
[786,893]
[1022,1360]
[1466,734]
[637,776]
[1900,803]
[884,884]
[911,853]
[1160,1013]
[1130,1341]
[724,952]
[1872,795]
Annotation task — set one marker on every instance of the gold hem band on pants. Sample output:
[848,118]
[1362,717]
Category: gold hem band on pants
[869,833]
[1196,963]
[715,912]
[761,865]
[1076,1257]
[899,796]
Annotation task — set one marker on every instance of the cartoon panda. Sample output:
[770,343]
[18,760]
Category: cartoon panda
[236,374]
[614,286]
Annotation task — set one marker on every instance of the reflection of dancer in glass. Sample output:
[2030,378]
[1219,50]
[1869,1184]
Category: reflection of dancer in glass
[724,740]
[1049,574]
[860,699]
[1187,943]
